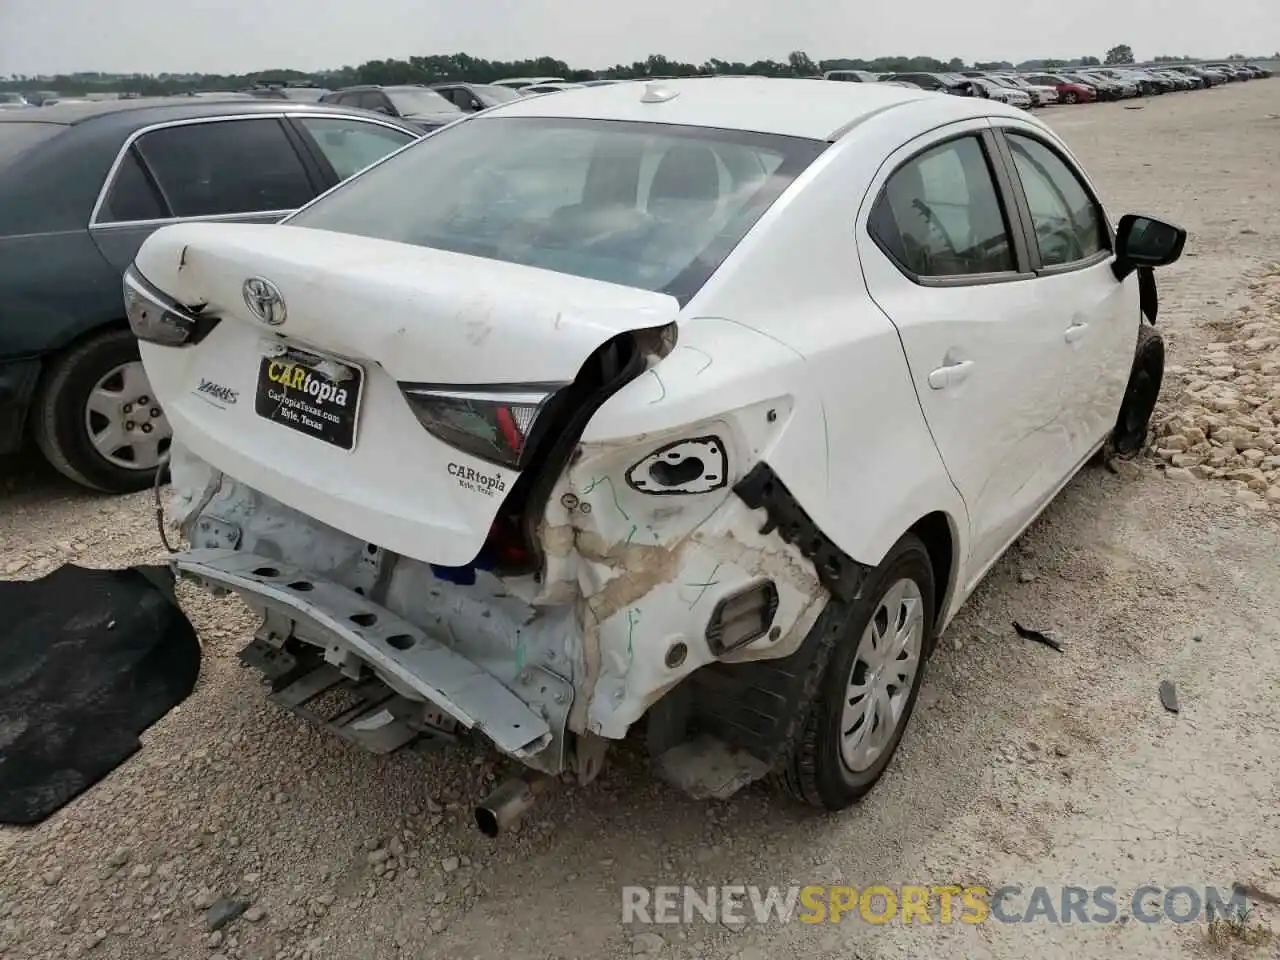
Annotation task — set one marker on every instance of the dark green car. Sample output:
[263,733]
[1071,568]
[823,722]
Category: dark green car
[81,186]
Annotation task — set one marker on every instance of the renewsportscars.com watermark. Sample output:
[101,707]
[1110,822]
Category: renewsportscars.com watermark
[736,904]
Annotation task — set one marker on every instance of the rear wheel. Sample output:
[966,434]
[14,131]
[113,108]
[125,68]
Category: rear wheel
[95,418]
[869,688]
[1140,396]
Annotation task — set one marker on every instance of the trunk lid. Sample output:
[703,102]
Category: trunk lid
[365,316]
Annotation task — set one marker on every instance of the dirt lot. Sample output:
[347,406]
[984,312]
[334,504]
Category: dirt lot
[1023,766]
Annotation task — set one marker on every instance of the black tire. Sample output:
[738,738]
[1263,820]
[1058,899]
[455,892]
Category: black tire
[815,772]
[58,413]
[1070,97]
[1145,377]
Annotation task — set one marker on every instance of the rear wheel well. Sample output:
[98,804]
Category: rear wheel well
[49,359]
[934,530]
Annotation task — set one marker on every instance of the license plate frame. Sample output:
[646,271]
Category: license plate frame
[311,393]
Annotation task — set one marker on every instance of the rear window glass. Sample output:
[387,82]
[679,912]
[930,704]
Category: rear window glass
[17,138]
[646,205]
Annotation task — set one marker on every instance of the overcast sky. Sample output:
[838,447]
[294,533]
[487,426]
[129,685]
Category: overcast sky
[235,36]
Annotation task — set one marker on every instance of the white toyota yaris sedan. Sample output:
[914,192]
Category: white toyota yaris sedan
[694,402]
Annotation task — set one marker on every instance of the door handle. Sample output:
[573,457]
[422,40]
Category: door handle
[949,374]
[1075,332]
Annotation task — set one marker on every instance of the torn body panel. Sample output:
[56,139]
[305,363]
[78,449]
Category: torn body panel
[652,563]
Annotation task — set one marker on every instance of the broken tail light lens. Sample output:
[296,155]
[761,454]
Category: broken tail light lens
[156,318]
[491,425]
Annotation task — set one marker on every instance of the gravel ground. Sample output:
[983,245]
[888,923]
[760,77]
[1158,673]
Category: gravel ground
[1022,765]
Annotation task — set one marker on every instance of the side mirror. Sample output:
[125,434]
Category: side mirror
[476,105]
[1146,242]
[382,110]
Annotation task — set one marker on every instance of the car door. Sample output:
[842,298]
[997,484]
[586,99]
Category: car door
[944,256]
[346,145]
[1072,249]
[239,169]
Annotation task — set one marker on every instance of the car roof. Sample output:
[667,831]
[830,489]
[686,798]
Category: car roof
[814,109]
[144,112]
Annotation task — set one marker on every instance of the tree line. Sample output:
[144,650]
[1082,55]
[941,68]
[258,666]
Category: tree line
[441,68]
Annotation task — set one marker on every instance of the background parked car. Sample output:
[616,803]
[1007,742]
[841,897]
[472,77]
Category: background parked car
[473,97]
[553,87]
[1042,95]
[1002,92]
[1180,81]
[1105,87]
[81,186]
[420,106]
[939,82]
[850,76]
[287,91]
[517,83]
[1203,78]
[1148,86]
[1069,91]
[1232,71]
[13,101]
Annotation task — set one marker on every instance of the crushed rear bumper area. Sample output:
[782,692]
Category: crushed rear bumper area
[424,676]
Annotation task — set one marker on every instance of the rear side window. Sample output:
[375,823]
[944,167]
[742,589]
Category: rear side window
[226,167]
[131,196]
[645,205]
[351,145]
[939,214]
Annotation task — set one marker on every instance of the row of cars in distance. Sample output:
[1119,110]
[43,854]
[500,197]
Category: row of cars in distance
[1079,85]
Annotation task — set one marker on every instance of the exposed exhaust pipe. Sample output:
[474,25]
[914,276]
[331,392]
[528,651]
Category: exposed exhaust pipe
[507,804]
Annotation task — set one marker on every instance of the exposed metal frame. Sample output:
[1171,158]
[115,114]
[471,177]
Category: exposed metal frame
[136,135]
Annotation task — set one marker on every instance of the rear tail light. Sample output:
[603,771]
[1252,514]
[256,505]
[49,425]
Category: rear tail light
[155,317]
[491,425]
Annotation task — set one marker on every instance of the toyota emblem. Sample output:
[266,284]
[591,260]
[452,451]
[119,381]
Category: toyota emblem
[264,301]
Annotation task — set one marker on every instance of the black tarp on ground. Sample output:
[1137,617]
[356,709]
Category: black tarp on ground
[88,660]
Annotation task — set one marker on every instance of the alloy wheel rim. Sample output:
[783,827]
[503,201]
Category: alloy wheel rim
[883,673]
[124,423]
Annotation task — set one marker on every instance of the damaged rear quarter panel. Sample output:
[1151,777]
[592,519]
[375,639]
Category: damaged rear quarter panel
[649,569]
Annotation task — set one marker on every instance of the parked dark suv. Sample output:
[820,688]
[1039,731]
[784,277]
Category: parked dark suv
[421,106]
[81,186]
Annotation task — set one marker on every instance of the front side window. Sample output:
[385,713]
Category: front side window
[226,167]
[1069,224]
[647,205]
[939,214]
[351,145]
